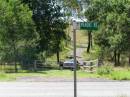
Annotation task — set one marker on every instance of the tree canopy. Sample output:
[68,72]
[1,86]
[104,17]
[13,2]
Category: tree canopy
[112,15]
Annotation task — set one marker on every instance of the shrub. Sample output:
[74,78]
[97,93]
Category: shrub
[105,69]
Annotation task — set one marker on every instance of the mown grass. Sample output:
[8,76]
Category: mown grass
[47,74]
[120,74]
[116,74]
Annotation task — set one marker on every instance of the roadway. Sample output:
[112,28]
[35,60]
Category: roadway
[64,89]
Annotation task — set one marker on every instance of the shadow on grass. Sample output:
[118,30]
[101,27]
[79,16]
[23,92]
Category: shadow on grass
[39,71]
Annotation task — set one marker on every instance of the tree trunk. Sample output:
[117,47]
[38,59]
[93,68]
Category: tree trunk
[15,64]
[89,42]
[118,60]
[115,57]
[58,58]
[112,58]
[129,59]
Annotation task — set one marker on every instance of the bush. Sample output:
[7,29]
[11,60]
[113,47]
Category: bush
[105,69]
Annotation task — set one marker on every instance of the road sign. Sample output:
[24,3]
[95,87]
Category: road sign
[76,26]
[88,25]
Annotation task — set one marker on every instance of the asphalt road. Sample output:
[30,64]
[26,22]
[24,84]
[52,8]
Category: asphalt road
[64,89]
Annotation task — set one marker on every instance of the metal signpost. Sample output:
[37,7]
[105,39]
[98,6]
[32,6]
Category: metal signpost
[81,26]
[75,62]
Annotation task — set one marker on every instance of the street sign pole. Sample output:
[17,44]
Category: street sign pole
[75,62]
[82,26]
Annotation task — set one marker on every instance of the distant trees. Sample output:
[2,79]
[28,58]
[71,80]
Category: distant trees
[91,16]
[29,28]
[17,28]
[50,25]
[113,18]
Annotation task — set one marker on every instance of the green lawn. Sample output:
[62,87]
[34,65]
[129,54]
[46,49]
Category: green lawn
[46,74]
[120,74]
[117,74]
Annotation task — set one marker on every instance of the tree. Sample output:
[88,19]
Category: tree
[59,37]
[49,23]
[91,15]
[17,26]
[113,19]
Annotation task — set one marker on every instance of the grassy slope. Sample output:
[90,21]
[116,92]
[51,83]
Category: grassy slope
[46,74]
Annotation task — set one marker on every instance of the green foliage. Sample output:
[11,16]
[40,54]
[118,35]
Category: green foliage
[50,25]
[93,55]
[71,4]
[105,70]
[113,18]
[18,31]
[27,30]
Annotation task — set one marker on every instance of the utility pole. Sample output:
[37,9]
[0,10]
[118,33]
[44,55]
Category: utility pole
[75,62]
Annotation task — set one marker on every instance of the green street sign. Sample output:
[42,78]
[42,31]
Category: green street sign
[88,25]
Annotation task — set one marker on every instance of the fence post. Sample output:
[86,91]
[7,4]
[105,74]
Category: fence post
[35,65]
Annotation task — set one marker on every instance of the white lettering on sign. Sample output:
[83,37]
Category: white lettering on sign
[88,25]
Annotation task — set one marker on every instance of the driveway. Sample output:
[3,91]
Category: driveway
[64,89]
[79,52]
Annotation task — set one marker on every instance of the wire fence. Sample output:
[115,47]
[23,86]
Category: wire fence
[39,65]
[7,67]
[36,65]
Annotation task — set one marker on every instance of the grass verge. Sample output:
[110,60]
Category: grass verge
[116,74]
